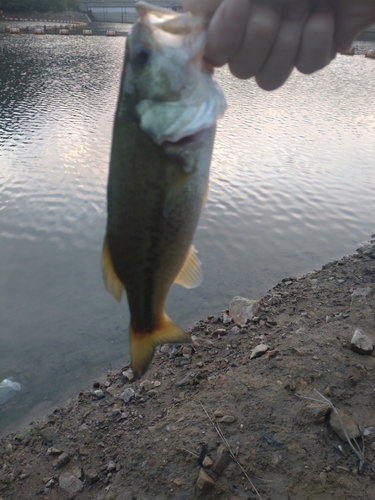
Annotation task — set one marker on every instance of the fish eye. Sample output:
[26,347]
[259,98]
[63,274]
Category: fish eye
[142,57]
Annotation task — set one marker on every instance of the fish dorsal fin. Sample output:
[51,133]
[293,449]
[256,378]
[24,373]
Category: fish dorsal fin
[190,275]
[111,280]
[142,345]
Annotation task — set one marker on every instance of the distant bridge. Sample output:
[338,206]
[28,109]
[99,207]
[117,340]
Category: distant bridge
[121,11]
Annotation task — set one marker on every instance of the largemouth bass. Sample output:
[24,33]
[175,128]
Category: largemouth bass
[161,151]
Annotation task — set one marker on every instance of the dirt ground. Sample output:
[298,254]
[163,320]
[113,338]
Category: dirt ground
[196,401]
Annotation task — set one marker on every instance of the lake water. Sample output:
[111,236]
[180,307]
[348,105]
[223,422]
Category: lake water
[292,187]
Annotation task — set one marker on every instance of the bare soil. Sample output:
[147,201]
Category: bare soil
[152,447]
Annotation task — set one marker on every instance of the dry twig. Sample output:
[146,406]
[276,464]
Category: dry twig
[356,449]
[232,455]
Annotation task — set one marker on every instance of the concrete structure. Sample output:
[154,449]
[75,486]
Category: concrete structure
[120,11]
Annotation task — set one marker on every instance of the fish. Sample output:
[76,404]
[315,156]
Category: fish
[163,137]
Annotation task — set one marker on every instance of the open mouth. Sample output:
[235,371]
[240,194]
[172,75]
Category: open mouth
[189,139]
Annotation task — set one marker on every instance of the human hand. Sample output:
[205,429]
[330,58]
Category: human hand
[268,39]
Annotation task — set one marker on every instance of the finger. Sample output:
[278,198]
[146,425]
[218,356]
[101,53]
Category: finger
[260,33]
[281,60]
[201,7]
[351,19]
[226,31]
[317,40]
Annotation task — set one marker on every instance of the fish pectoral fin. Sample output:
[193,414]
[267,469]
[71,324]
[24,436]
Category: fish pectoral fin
[190,275]
[142,345]
[112,282]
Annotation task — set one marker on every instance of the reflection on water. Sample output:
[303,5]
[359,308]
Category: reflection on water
[292,186]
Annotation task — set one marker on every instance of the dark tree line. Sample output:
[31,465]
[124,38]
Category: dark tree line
[39,5]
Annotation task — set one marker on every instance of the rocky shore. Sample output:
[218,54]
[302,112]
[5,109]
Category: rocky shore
[230,416]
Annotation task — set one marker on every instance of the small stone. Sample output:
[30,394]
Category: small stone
[274,300]
[222,460]
[187,351]
[234,330]
[83,427]
[157,383]
[69,483]
[54,451]
[226,319]
[259,350]
[372,446]
[362,292]
[227,419]
[99,394]
[145,385]
[127,395]
[115,413]
[188,377]
[111,466]
[241,309]
[317,411]
[207,461]
[218,413]
[8,449]
[205,484]
[220,331]
[350,426]
[48,435]
[152,393]
[361,343]
[128,374]
[50,483]
[182,361]
[61,461]
[91,475]
[177,482]
[301,330]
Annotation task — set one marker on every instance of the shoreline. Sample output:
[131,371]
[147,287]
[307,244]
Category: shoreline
[46,17]
[121,440]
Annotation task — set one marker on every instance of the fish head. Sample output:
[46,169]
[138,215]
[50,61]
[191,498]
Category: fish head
[173,88]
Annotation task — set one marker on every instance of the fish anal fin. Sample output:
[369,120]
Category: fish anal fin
[112,282]
[190,275]
[142,345]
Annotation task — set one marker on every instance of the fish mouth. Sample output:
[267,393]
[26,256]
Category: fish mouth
[188,139]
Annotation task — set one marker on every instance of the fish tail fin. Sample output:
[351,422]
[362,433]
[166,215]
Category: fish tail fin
[143,344]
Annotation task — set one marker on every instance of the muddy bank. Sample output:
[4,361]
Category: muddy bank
[167,436]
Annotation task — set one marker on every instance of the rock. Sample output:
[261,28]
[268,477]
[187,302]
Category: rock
[69,483]
[361,343]
[99,394]
[350,426]
[205,484]
[127,395]
[227,419]
[188,377]
[219,331]
[48,435]
[207,461]
[54,451]
[222,460]
[187,351]
[317,411]
[111,466]
[241,309]
[368,250]
[182,361]
[145,385]
[128,374]
[226,319]
[362,292]
[274,300]
[91,475]
[110,496]
[259,350]
[234,330]
[157,383]
[61,461]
